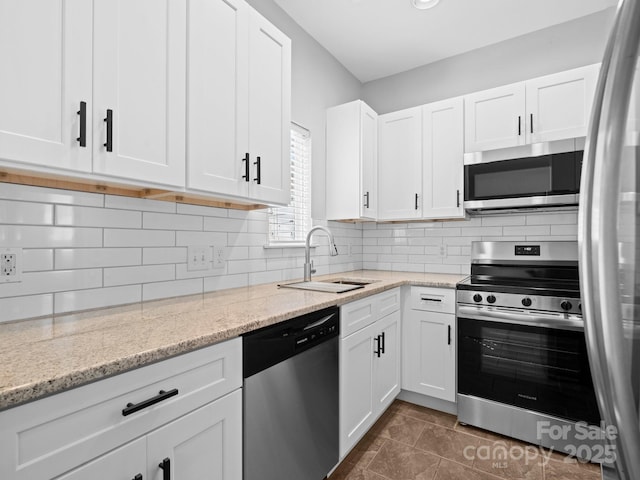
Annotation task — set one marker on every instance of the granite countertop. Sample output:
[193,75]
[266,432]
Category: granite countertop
[47,355]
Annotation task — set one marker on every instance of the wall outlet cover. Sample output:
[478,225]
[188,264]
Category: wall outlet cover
[198,257]
[10,265]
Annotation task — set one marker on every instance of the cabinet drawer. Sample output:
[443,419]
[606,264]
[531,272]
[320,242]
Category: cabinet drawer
[363,312]
[433,299]
[47,437]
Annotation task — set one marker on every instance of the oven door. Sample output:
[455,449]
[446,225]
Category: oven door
[534,181]
[537,368]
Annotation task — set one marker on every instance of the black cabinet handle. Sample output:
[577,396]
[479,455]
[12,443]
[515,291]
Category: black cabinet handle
[449,335]
[135,407]
[257,164]
[137,477]
[519,125]
[246,167]
[531,123]
[377,350]
[166,469]
[458,198]
[416,201]
[366,203]
[82,139]
[109,120]
[429,299]
[382,343]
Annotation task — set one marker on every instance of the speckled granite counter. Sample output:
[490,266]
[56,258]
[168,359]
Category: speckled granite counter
[43,356]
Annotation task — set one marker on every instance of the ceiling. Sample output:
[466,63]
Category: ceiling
[378,38]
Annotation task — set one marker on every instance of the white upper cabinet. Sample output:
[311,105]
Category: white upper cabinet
[352,144]
[400,164]
[239,102]
[495,118]
[139,89]
[559,106]
[442,165]
[45,53]
[553,107]
[217,133]
[269,111]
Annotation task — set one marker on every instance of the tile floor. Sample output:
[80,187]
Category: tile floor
[410,442]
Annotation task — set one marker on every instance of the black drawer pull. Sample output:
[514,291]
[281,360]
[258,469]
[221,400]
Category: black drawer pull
[428,299]
[82,139]
[246,167]
[416,201]
[531,123]
[109,120]
[366,203]
[258,178]
[449,335]
[166,469]
[135,407]
[137,477]
[457,198]
[377,351]
[519,125]
[382,342]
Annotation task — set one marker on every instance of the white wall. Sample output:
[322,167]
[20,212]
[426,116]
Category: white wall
[318,81]
[561,47]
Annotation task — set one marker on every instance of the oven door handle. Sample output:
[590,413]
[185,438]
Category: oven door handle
[559,322]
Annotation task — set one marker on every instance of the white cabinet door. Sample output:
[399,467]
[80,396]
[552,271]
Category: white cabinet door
[217,80]
[400,164]
[123,463]
[139,76]
[269,111]
[45,53]
[369,162]
[386,369]
[352,161]
[442,166]
[429,364]
[495,118]
[206,443]
[559,105]
[356,387]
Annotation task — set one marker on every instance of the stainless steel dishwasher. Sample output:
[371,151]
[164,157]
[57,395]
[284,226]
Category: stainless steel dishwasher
[290,391]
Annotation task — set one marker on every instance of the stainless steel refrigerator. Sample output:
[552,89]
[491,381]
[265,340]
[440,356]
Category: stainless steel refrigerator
[608,234]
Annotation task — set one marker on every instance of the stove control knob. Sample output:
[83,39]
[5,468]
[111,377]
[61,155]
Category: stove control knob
[526,302]
[491,299]
[566,305]
[580,306]
[477,298]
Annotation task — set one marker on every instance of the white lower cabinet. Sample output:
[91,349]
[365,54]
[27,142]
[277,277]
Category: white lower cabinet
[369,364]
[189,421]
[429,343]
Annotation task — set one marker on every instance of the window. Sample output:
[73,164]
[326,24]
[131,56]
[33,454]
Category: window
[290,224]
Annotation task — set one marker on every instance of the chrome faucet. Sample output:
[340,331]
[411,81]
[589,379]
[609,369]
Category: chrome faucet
[308,265]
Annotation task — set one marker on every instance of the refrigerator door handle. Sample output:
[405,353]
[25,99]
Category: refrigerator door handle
[598,241]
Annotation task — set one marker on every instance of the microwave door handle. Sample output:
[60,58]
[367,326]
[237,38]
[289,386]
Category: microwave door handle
[598,239]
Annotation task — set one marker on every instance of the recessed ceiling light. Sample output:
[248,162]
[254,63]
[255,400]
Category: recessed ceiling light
[424,4]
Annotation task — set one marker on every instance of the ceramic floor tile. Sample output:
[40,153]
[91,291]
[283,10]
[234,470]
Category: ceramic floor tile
[509,460]
[571,470]
[400,428]
[365,450]
[424,414]
[448,443]
[454,471]
[398,461]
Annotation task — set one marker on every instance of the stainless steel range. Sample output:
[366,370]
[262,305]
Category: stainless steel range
[523,369]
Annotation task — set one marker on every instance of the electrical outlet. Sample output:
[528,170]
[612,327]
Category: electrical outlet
[219,257]
[443,251]
[10,265]
[198,258]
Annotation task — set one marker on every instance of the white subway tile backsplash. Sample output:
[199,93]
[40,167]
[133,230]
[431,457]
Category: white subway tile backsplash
[49,195]
[266,277]
[175,288]
[221,282]
[170,221]
[160,255]
[553,218]
[246,266]
[212,224]
[37,260]
[26,213]
[96,298]
[185,209]
[139,238]
[27,236]
[141,274]
[96,217]
[185,239]
[17,308]
[140,204]
[566,229]
[52,281]
[72,258]
[247,239]
[503,220]
[526,230]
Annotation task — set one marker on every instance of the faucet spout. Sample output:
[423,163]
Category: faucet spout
[333,250]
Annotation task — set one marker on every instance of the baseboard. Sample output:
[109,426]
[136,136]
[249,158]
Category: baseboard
[429,402]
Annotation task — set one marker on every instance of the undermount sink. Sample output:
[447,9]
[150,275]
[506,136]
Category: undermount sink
[330,286]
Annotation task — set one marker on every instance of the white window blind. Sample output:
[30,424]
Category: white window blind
[290,224]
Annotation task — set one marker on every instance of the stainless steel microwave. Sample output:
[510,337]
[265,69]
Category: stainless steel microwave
[539,176]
